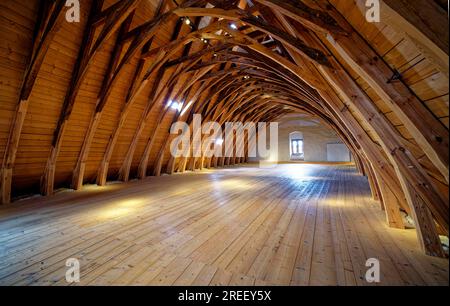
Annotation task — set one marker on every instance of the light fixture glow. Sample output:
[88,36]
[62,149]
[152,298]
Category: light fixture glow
[175,105]
[233,26]
[219,141]
[187,21]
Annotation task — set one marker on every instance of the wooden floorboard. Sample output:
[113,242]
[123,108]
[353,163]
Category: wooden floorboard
[295,224]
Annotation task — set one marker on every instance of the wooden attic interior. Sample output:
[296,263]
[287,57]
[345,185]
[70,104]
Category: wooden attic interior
[84,104]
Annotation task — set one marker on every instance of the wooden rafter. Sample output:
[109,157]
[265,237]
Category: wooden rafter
[48,23]
[88,50]
[431,135]
[239,63]
[424,23]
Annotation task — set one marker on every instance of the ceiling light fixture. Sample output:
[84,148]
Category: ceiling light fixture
[175,105]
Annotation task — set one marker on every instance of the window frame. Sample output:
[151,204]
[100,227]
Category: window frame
[297,144]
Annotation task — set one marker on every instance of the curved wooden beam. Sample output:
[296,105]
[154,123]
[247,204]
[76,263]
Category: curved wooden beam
[48,24]
[88,50]
[430,134]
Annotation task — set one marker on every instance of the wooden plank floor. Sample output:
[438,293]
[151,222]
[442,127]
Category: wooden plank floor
[296,224]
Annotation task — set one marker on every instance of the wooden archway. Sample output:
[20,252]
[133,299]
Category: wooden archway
[239,61]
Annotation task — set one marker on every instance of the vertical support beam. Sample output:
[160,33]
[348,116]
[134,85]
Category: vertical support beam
[47,180]
[143,164]
[113,20]
[11,151]
[390,202]
[48,24]
[359,164]
[430,134]
[425,224]
[341,111]
[111,74]
[399,157]
[142,38]
[165,145]
[121,23]
[373,184]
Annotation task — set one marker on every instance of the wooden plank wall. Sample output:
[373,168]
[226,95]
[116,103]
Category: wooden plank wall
[17,23]
[18,20]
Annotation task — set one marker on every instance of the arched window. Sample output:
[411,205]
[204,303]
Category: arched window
[296,146]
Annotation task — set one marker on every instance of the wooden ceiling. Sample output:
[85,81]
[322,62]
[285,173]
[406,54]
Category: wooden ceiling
[88,102]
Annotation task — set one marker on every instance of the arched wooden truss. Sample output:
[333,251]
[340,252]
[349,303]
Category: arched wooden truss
[278,57]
